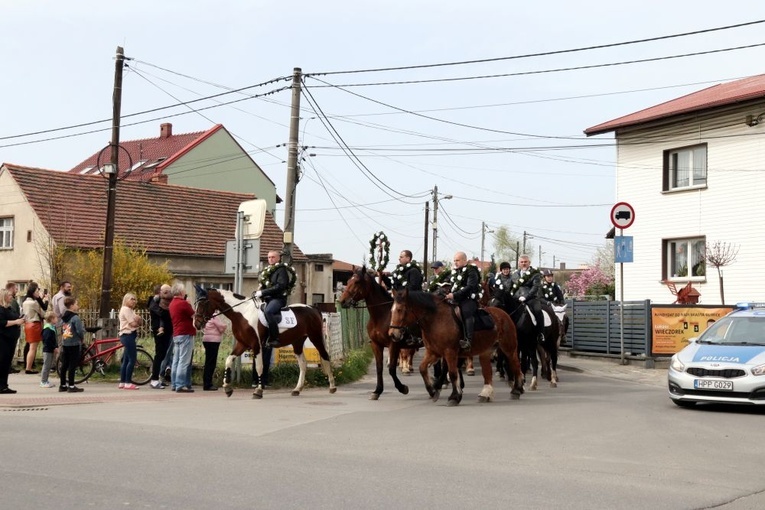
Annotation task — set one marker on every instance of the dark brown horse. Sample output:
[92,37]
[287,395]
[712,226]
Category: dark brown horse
[363,287]
[244,314]
[441,334]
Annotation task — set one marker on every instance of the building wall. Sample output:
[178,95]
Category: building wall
[219,163]
[727,210]
[319,282]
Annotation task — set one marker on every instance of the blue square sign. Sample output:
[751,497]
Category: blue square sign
[623,249]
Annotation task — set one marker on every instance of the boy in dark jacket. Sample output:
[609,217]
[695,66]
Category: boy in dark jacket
[72,335]
[50,344]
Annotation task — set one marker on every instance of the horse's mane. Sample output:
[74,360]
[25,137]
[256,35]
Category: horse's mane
[425,300]
[379,290]
[241,304]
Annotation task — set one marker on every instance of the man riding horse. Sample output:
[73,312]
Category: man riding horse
[466,291]
[407,275]
[526,286]
[274,288]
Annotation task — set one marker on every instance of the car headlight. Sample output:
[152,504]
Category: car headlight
[676,365]
[759,370]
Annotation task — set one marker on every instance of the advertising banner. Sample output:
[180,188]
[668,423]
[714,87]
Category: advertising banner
[673,326]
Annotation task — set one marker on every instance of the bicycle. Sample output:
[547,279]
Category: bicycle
[96,357]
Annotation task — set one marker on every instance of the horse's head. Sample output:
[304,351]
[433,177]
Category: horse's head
[360,287]
[206,306]
[400,314]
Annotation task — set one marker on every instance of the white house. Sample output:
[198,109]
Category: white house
[693,169]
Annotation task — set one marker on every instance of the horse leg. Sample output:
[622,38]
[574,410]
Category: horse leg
[470,369]
[514,369]
[236,351]
[326,367]
[544,360]
[258,393]
[301,378]
[452,361]
[534,369]
[428,360]
[393,354]
[487,392]
[377,350]
[554,369]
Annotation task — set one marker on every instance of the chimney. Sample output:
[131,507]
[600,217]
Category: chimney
[562,266]
[159,179]
[165,130]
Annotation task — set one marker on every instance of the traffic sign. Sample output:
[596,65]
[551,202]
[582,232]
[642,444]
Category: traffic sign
[622,215]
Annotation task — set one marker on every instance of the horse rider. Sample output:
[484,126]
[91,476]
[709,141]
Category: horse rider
[526,287]
[441,277]
[407,275]
[274,293]
[551,291]
[466,290]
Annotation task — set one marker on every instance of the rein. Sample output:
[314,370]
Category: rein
[221,311]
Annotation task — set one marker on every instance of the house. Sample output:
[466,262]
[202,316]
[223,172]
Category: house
[210,159]
[187,227]
[692,169]
[319,284]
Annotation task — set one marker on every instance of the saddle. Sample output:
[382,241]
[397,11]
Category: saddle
[483,319]
[286,318]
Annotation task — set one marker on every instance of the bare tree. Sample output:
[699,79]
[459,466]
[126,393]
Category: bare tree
[719,255]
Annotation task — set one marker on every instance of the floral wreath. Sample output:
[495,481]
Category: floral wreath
[547,290]
[398,273]
[459,277]
[265,277]
[377,263]
[529,273]
[442,278]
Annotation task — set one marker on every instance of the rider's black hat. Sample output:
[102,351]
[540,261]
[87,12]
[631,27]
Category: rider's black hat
[504,265]
[547,272]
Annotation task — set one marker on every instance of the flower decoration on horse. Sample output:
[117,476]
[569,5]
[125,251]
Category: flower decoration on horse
[265,277]
[460,277]
[379,251]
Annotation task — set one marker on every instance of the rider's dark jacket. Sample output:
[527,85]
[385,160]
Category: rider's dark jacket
[527,283]
[407,276]
[552,292]
[466,283]
[278,285]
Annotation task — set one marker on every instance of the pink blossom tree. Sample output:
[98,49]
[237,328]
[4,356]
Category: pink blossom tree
[591,281]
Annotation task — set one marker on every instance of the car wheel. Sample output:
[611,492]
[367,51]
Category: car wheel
[683,403]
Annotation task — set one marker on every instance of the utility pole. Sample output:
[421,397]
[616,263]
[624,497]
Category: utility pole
[540,256]
[484,230]
[292,168]
[553,266]
[106,280]
[435,220]
[425,265]
[524,241]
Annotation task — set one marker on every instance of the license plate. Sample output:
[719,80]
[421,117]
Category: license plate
[712,384]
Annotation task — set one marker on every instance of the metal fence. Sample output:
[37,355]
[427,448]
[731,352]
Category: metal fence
[595,326]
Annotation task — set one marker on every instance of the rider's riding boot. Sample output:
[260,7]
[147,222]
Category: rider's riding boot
[414,342]
[273,334]
[466,342]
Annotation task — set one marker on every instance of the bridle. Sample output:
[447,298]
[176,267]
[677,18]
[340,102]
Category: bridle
[221,311]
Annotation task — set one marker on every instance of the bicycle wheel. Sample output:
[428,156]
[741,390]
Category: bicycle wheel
[142,370]
[84,370]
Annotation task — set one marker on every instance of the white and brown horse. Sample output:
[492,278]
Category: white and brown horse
[298,323]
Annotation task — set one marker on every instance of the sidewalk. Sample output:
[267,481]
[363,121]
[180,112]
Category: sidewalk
[608,366]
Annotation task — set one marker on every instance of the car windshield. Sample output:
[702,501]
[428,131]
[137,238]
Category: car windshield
[735,331]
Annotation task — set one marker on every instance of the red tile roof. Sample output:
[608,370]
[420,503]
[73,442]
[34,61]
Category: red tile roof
[157,153]
[164,219]
[718,95]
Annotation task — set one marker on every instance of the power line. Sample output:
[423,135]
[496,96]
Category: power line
[542,54]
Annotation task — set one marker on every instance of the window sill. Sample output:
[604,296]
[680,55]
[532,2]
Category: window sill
[685,279]
[680,190]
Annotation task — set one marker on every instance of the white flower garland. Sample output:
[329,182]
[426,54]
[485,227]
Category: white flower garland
[529,273]
[265,277]
[459,279]
[379,239]
[548,290]
[398,273]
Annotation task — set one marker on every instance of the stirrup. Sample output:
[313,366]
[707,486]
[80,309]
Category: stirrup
[465,344]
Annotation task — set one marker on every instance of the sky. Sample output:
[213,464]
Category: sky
[501,139]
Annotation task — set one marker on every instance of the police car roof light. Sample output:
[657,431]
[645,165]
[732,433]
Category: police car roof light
[748,305]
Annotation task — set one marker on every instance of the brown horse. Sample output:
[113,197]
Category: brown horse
[363,287]
[244,314]
[441,333]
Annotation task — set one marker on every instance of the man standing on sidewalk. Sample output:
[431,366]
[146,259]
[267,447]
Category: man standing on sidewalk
[182,316]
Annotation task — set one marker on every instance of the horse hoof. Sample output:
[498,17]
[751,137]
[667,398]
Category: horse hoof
[553,384]
[295,393]
[452,403]
[229,391]
[333,390]
[483,400]
[436,395]
[471,372]
[256,395]
[515,396]
[374,396]
[404,390]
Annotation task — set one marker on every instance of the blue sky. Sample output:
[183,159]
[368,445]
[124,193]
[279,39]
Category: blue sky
[508,149]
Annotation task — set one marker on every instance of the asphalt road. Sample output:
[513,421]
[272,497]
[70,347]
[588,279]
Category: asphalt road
[608,437]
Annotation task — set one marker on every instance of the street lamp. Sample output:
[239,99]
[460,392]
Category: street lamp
[435,219]
[484,230]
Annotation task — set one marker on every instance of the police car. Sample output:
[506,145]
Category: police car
[726,364]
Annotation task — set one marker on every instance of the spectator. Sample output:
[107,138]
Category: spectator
[50,344]
[129,324]
[64,290]
[162,330]
[33,312]
[12,289]
[72,335]
[182,316]
[213,332]
[10,330]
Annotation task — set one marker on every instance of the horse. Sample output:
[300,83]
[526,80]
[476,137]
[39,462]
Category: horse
[300,321]
[529,345]
[563,321]
[363,287]
[441,333]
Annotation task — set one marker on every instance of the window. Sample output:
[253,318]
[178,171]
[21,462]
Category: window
[6,233]
[317,298]
[677,262]
[685,168]
[318,268]
[220,286]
